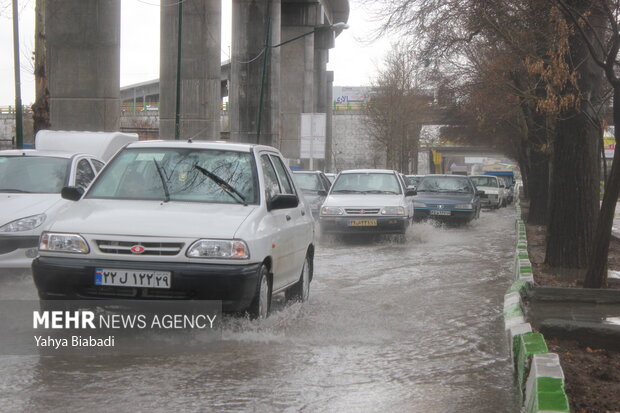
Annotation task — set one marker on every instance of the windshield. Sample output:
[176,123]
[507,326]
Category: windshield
[307,182]
[177,174]
[484,181]
[33,174]
[366,183]
[445,184]
[413,180]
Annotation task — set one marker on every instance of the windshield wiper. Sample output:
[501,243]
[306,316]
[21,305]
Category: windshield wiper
[14,190]
[163,181]
[378,191]
[223,184]
[346,191]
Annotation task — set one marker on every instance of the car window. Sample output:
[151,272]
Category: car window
[272,187]
[97,164]
[484,181]
[445,184]
[285,180]
[33,174]
[84,174]
[367,182]
[208,175]
[308,181]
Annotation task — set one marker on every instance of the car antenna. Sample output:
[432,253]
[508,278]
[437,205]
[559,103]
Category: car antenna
[189,140]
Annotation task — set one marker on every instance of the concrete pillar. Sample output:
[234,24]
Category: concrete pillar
[83,59]
[297,72]
[250,19]
[200,69]
[329,147]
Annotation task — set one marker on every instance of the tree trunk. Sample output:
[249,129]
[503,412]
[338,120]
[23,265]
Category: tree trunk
[596,276]
[41,106]
[574,192]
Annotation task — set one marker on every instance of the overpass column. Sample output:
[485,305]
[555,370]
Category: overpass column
[200,108]
[297,72]
[83,58]
[325,40]
[250,19]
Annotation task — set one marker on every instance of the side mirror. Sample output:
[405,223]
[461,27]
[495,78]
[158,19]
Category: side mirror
[479,193]
[282,201]
[322,193]
[72,193]
[411,192]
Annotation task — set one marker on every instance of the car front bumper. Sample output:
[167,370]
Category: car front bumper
[74,278]
[363,225]
[448,214]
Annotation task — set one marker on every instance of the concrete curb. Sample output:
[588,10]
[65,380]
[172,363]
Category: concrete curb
[538,373]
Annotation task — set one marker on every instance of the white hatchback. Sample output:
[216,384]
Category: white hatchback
[170,219]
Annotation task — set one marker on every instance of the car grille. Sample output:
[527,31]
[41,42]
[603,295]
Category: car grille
[150,248]
[362,211]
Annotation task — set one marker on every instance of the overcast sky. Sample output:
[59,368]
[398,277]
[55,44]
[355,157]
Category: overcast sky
[353,60]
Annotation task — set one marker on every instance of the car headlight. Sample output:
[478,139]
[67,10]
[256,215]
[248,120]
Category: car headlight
[58,242]
[327,210]
[393,210]
[419,205]
[464,206]
[218,248]
[23,224]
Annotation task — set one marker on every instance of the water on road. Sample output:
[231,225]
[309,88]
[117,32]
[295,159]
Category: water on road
[390,327]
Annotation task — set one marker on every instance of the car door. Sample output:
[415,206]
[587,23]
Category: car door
[278,227]
[300,224]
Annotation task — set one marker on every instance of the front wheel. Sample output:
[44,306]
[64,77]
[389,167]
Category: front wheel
[301,290]
[262,298]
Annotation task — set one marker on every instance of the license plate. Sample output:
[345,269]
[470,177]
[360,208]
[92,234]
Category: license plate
[132,278]
[363,223]
[438,212]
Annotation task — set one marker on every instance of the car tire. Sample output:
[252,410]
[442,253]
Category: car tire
[301,290]
[259,309]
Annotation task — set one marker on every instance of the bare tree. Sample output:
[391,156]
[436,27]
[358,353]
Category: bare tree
[40,108]
[394,111]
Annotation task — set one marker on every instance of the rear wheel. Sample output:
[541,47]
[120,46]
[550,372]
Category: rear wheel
[262,298]
[301,290]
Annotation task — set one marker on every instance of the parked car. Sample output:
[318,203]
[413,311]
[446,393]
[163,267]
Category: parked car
[31,181]
[508,190]
[367,201]
[183,220]
[493,187]
[447,198]
[331,176]
[315,187]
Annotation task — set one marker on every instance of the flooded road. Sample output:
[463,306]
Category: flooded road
[411,327]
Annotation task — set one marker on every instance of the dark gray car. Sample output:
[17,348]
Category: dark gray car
[447,198]
[315,186]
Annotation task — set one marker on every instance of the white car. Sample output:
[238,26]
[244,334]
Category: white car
[494,194]
[367,201]
[171,219]
[31,181]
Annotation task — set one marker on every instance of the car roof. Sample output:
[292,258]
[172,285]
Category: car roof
[199,144]
[483,176]
[39,153]
[447,176]
[366,171]
[307,172]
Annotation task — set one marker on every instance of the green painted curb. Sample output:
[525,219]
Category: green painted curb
[517,287]
[512,311]
[549,395]
[525,345]
[526,269]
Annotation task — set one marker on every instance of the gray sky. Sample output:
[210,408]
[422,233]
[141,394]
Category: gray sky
[353,60]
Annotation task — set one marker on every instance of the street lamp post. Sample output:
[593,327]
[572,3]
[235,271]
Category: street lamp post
[338,27]
[19,132]
[177,110]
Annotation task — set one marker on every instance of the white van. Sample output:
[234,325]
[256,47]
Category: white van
[183,220]
[31,181]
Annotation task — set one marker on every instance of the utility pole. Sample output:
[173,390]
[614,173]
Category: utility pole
[19,131]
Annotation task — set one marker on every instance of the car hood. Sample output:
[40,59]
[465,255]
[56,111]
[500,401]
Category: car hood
[152,218]
[444,198]
[16,206]
[361,200]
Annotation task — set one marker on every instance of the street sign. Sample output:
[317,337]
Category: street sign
[313,131]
